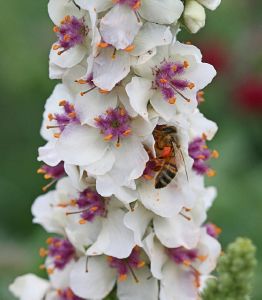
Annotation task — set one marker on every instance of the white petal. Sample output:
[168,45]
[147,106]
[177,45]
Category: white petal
[166,111]
[94,104]
[150,36]
[161,11]
[115,29]
[81,145]
[102,166]
[29,287]
[58,9]
[176,232]
[156,253]
[210,4]
[44,214]
[106,63]
[138,221]
[74,174]
[165,202]
[131,159]
[185,50]
[60,278]
[97,282]
[139,91]
[145,289]
[106,186]
[200,125]
[177,283]
[114,239]
[82,236]
[97,5]
[69,58]
[48,154]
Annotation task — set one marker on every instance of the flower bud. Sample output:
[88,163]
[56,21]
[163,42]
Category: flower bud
[194,16]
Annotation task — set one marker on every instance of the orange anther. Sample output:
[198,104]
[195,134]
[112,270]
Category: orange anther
[174,68]
[191,85]
[127,132]
[94,208]
[186,64]
[211,173]
[42,267]
[82,222]
[67,19]
[108,137]
[72,115]
[56,29]
[43,252]
[101,91]
[50,117]
[57,135]
[187,263]
[50,271]
[172,100]
[49,240]
[163,80]
[130,48]
[56,47]
[148,177]
[122,277]
[47,176]
[62,103]
[102,45]
[137,5]
[40,171]
[141,264]
[202,258]
[215,154]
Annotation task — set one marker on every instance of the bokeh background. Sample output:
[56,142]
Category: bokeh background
[232,41]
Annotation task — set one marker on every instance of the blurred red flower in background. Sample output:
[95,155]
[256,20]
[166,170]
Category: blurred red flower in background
[248,93]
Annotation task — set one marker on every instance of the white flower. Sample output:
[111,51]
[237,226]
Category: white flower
[97,135]
[179,269]
[194,16]
[170,80]
[76,32]
[118,62]
[134,278]
[120,25]
[29,287]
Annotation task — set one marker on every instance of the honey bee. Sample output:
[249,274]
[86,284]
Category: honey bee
[168,151]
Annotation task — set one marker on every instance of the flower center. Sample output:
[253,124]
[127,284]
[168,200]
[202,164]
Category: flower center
[60,251]
[124,266]
[71,32]
[53,173]
[91,205]
[134,4]
[182,255]
[168,78]
[67,294]
[114,124]
[63,119]
[200,152]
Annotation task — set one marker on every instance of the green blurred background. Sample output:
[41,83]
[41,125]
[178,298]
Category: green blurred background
[231,40]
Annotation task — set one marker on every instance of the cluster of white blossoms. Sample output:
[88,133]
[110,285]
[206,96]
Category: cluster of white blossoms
[127,148]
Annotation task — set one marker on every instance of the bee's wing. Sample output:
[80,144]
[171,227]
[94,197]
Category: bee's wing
[180,157]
